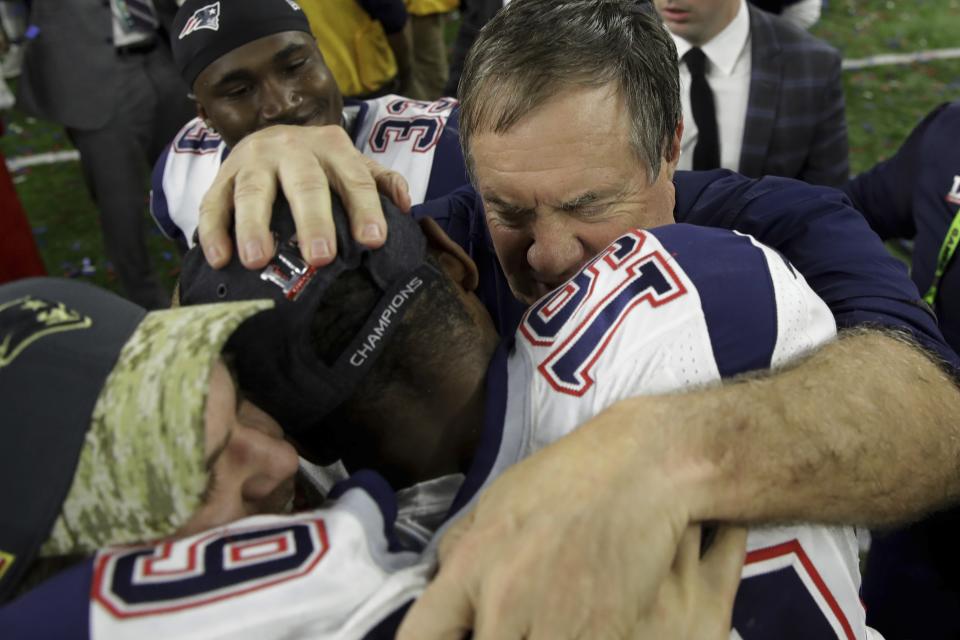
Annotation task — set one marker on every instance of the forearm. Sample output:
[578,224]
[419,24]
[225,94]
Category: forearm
[864,431]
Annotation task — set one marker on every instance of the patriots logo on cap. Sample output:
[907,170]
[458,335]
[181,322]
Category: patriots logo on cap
[25,320]
[293,5]
[207,17]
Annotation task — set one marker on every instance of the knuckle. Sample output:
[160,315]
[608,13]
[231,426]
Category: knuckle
[308,184]
[334,135]
[249,188]
[353,181]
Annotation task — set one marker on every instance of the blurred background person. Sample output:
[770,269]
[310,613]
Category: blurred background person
[428,20]
[19,256]
[473,15]
[103,70]
[13,17]
[759,96]
[365,43]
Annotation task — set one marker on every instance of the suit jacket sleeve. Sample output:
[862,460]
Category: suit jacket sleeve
[828,162]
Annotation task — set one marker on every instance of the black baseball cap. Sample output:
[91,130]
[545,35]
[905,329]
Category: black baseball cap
[205,30]
[275,359]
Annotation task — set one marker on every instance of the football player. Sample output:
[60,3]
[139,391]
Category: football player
[252,65]
[124,427]
[571,146]
[399,330]
[386,359]
[348,569]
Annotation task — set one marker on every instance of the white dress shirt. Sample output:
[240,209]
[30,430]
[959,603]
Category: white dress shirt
[728,74]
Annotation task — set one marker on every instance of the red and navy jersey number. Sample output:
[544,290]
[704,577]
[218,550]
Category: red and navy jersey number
[636,277]
[423,128]
[216,567]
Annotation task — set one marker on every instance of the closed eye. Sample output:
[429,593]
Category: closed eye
[237,92]
[295,65]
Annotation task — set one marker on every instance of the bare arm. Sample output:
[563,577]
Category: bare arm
[863,431]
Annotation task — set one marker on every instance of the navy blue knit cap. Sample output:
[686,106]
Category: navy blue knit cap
[203,31]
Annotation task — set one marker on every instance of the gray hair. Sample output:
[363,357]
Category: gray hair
[534,49]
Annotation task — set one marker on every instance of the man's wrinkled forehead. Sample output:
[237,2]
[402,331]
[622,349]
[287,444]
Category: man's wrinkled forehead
[250,59]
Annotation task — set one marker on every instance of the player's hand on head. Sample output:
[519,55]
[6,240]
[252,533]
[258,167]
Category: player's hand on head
[306,162]
[561,546]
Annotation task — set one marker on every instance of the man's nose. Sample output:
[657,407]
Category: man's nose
[556,251]
[278,100]
[272,460]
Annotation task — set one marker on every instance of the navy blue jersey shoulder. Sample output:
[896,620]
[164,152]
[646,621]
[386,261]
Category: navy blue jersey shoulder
[736,293]
[916,194]
[58,608]
[448,171]
[825,238]
[816,228]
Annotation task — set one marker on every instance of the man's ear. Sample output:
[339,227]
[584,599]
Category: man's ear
[673,151]
[455,262]
[677,137]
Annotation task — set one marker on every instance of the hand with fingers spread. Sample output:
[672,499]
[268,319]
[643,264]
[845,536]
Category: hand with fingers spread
[305,163]
[561,546]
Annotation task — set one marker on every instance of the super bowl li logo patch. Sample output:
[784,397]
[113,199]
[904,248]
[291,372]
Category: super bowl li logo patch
[6,561]
[28,319]
[206,17]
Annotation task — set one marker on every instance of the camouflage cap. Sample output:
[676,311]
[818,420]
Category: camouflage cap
[107,432]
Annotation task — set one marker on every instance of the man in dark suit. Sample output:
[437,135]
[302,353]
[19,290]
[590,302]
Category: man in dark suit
[759,96]
[102,69]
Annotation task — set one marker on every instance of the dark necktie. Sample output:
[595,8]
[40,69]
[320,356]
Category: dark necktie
[706,153]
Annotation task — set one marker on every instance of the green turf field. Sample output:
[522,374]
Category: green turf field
[883,105]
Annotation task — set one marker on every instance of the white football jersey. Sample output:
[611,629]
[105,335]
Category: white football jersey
[419,140]
[664,310]
[337,572]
